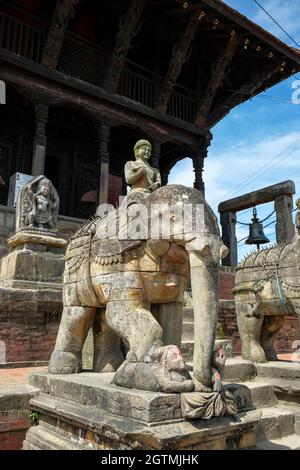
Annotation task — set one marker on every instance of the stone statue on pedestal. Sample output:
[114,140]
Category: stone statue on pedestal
[37,206]
[139,175]
[37,252]
[112,282]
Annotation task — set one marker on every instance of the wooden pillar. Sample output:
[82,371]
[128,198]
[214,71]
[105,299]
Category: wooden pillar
[229,238]
[103,161]
[198,160]
[285,229]
[164,177]
[155,154]
[40,140]
[198,164]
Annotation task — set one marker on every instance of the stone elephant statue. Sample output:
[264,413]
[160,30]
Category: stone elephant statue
[267,288]
[132,288]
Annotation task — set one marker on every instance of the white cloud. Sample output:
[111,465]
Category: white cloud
[286,13]
[224,171]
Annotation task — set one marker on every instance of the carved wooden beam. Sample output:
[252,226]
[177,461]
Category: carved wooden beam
[217,76]
[64,11]
[180,55]
[245,92]
[128,28]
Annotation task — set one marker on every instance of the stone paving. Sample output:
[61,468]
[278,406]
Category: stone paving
[17,376]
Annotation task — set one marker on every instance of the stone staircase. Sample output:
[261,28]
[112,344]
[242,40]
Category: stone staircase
[273,388]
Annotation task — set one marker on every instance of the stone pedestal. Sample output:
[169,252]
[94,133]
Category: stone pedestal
[36,261]
[85,411]
[31,295]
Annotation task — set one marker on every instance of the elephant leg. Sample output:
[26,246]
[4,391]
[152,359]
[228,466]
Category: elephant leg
[136,325]
[107,351]
[74,326]
[250,324]
[170,318]
[270,328]
[204,280]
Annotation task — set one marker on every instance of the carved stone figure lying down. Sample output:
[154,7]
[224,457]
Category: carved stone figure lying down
[165,372]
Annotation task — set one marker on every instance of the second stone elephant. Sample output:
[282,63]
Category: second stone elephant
[267,289]
[133,288]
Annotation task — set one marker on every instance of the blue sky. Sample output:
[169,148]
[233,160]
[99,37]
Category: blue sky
[258,143]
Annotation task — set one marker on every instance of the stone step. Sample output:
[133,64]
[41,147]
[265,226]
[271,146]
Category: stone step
[253,394]
[295,408]
[64,423]
[188,314]
[286,390]
[275,423]
[291,442]
[40,438]
[239,370]
[188,331]
[279,370]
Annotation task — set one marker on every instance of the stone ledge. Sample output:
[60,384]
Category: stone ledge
[95,390]
[16,397]
[279,369]
[61,420]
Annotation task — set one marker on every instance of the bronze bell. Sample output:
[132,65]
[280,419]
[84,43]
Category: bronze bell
[256,232]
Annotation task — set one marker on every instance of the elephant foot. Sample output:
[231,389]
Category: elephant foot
[64,362]
[255,353]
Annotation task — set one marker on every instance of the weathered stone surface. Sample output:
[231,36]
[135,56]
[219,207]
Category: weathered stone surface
[291,442]
[67,425]
[275,423]
[128,275]
[140,176]
[37,206]
[283,370]
[239,370]
[96,390]
[267,288]
[16,397]
[250,395]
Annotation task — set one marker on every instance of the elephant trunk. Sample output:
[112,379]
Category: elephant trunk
[204,281]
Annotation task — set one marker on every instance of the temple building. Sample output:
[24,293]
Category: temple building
[86,79]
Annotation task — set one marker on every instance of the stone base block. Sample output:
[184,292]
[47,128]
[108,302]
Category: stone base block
[85,411]
[279,370]
[34,270]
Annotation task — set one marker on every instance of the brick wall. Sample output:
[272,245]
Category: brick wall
[28,325]
[227,275]
[14,415]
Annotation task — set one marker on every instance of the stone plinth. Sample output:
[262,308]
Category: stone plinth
[36,261]
[85,411]
[31,295]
